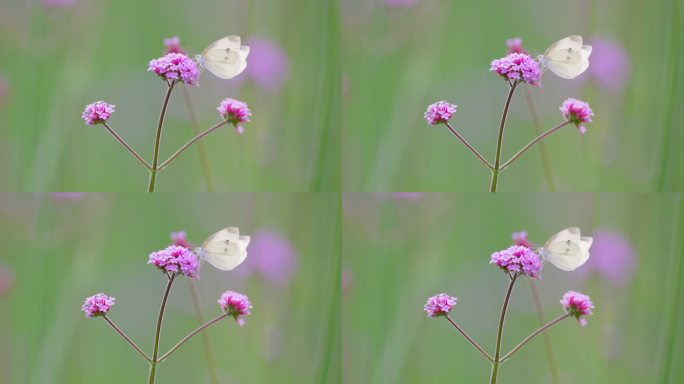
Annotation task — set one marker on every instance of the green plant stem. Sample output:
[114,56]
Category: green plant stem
[125,337]
[533,142]
[204,159]
[553,367]
[535,333]
[157,141]
[542,147]
[470,147]
[191,334]
[499,334]
[189,143]
[206,344]
[160,319]
[470,339]
[128,147]
[499,141]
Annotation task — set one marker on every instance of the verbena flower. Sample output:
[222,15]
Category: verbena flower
[518,259]
[180,239]
[176,67]
[271,255]
[269,66]
[172,45]
[520,238]
[518,67]
[97,305]
[236,305]
[439,305]
[514,45]
[97,112]
[612,257]
[439,112]
[175,259]
[578,112]
[577,305]
[235,112]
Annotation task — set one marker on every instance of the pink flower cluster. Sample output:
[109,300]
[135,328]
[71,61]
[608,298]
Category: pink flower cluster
[180,239]
[172,45]
[439,112]
[176,67]
[236,305]
[514,45]
[175,259]
[518,67]
[97,112]
[520,238]
[97,305]
[578,112]
[518,259]
[577,305]
[235,112]
[439,305]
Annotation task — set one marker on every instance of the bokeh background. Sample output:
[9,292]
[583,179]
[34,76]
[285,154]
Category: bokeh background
[60,248]
[59,55]
[400,249]
[401,55]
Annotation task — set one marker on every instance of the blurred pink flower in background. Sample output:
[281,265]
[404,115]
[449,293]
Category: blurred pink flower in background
[520,238]
[59,3]
[6,279]
[399,3]
[514,45]
[612,257]
[172,45]
[268,65]
[180,239]
[272,256]
[609,64]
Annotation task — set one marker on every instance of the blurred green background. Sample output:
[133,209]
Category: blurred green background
[400,58]
[60,249]
[59,55]
[401,249]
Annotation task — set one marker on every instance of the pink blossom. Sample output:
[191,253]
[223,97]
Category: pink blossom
[269,66]
[518,259]
[97,112]
[577,112]
[518,67]
[97,305]
[272,256]
[610,65]
[176,67]
[180,239]
[235,112]
[520,238]
[612,257]
[439,305]
[439,112]
[514,45]
[236,305]
[172,45]
[577,305]
[175,259]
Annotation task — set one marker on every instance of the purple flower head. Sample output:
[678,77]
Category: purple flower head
[269,66]
[610,64]
[97,112]
[180,239]
[172,45]
[176,67]
[97,305]
[577,305]
[439,305]
[439,112]
[578,112]
[514,45]
[518,259]
[273,256]
[236,305]
[520,238]
[518,67]
[612,257]
[235,112]
[175,259]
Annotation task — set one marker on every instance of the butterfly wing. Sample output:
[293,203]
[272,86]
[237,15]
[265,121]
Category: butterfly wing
[566,249]
[225,58]
[567,58]
[225,249]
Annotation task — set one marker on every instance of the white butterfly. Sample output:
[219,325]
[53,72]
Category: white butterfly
[225,58]
[567,250]
[567,58]
[225,249]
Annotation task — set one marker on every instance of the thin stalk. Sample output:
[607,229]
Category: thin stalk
[128,147]
[499,141]
[533,142]
[535,333]
[499,334]
[553,367]
[470,147]
[542,147]
[206,345]
[204,159]
[157,141]
[189,143]
[120,332]
[482,351]
[191,334]
[160,319]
